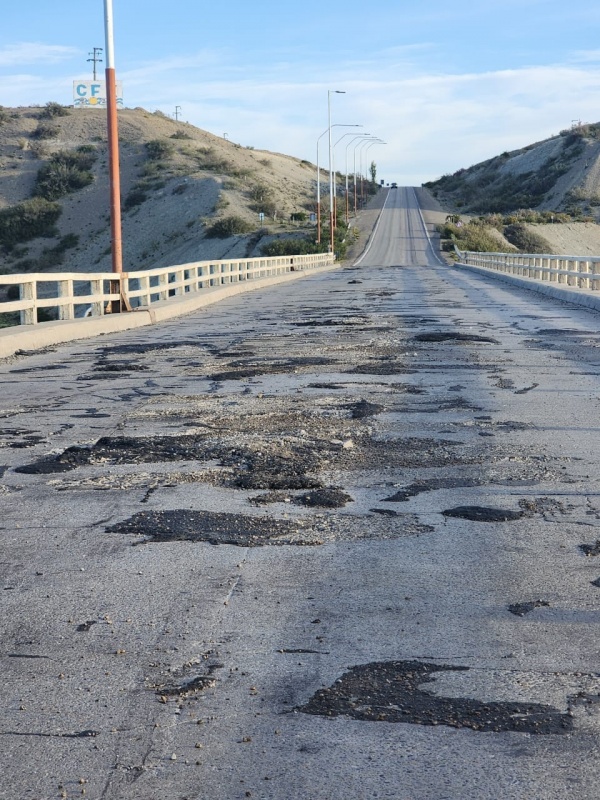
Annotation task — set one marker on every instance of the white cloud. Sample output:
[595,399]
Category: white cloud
[35,53]
[433,122]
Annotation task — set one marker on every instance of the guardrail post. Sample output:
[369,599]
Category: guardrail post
[27,291]
[65,308]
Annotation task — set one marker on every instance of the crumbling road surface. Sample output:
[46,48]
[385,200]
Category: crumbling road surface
[330,541]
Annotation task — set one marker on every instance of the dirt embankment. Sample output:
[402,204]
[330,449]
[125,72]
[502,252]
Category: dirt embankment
[568,239]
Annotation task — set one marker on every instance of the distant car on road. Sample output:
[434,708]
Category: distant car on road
[394,185]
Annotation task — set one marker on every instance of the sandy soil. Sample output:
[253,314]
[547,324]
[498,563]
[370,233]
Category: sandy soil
[206,177]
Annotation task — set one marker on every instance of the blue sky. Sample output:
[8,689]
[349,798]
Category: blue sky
[444,84]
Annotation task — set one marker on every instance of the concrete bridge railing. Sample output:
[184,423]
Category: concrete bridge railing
[76,295]
[575,271]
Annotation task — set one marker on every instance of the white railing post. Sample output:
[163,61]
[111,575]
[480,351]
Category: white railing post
[65,299]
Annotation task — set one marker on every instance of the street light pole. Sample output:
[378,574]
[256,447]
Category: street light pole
[113,157]
[331,226]
[357,147]
[335,125]
[360,136]
[335,175]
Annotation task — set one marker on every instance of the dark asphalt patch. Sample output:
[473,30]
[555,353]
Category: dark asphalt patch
[243,370]
[414,489]
[596,582]
[41,368]
[213,527]
[332,323]
[438,337]
[273,472]
[389,691]
[483,514]
[520,609]
[363,409]
[248,469]
[417,452]
[101,376]
[564,332]
[129,366]
[591,549]
[85,626]
[323,498]
[382,368]
[125,450]
[151,347]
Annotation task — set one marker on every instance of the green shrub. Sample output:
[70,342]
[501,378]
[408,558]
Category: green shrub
[134,198]
[45,131]
[298,216]
[292,247]
[28,220]
[180,135]
[52,110]
[473,236]
[228,226]
[157,149]
[526,240]
[4,115]
[66,172]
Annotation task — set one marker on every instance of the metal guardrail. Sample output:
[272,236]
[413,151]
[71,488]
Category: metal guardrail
[576,271]
[76,294]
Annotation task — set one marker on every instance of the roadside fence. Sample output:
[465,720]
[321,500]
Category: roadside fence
[68,295]
[575,271]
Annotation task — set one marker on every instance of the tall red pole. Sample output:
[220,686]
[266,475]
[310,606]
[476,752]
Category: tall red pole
[114,171]
[113,165]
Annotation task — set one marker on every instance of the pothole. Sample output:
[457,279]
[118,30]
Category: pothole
[521,609]
[390,691]
[216,528]
[241,530]
[195,676]
[323,498]
[483,513]
[438,337]
[382,368]
[591,549]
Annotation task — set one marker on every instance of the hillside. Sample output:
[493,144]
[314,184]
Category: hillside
[176,182]
[558,174]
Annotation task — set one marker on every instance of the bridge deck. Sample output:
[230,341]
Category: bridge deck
[330,541]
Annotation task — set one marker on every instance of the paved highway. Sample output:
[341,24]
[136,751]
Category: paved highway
[329,541]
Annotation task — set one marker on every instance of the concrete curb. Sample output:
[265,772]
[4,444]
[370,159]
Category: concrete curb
[46,334]
[567,294]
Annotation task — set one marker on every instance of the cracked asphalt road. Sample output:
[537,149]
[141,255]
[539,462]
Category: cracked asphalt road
[328,541]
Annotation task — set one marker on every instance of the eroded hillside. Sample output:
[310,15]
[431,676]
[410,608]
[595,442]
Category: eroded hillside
[176,182]
[558,174]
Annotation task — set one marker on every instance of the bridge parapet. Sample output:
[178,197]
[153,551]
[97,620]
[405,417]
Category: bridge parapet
[572,271]
[76,295]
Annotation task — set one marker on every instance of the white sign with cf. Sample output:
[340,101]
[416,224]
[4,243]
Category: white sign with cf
[90,94]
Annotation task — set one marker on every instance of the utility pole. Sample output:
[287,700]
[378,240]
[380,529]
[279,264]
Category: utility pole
[177,113]
[95,59]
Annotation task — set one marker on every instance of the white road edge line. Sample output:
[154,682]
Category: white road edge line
[368,247]
[431,247]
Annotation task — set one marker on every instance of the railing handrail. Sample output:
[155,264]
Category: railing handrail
[580,272]
[67,291]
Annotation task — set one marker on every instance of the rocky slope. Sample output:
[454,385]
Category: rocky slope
[558,174]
